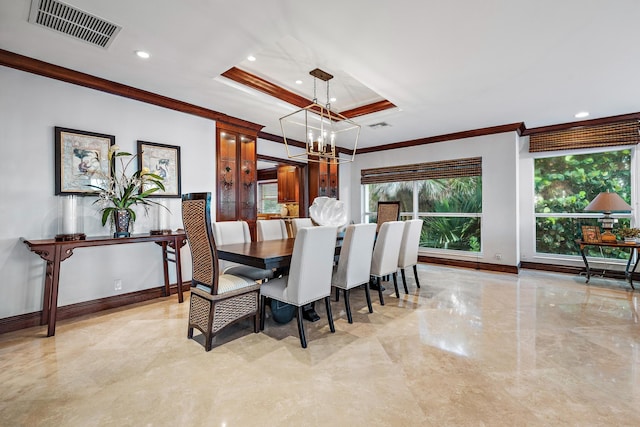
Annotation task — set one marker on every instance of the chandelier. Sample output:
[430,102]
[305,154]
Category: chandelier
[323,131]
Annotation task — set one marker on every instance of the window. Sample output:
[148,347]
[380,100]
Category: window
[268,197]
[451,209]
[447,196]
[564,186]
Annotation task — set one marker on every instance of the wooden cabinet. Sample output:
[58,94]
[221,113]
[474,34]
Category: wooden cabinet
[288,184]
[236,173]
[323,179]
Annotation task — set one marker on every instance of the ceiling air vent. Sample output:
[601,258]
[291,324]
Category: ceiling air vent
[379,125]
[73,22]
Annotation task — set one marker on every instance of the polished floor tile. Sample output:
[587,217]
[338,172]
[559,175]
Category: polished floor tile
[469,348]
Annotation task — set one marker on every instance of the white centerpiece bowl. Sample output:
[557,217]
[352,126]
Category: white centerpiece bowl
[328,211]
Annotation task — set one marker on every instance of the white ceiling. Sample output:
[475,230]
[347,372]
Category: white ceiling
[448,66]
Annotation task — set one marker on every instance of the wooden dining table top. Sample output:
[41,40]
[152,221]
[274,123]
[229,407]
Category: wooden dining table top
[266,254]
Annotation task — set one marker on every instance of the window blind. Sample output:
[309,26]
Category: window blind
[420,171]
[606,135]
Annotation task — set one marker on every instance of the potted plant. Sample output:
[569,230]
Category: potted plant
[119,192]
[629,234]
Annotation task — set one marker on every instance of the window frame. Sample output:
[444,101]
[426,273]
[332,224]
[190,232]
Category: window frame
[582,215]
[367,215]
[260,197]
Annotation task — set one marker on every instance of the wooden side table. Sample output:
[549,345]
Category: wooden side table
[54,252]
[633,249]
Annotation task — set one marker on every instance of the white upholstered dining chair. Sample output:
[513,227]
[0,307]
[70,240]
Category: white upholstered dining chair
[272,229]
[230,232]
[355,262]
[409,250]
[298,223]
[309,277]
[385,254]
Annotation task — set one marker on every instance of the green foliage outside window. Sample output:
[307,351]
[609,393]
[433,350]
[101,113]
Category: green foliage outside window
[566,185]
[447,195]
[392,191]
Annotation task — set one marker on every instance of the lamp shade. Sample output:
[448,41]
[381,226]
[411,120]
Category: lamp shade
[608,202]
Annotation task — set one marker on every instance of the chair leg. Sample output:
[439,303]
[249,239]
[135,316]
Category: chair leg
[327,302]
[190,330]
[337,294]
[368,294]
[395,284]
[380,291]
[303,339]
[347,306]
[207,341]
[262,309]
[404,281]
[208,337]
[256,320]
[415,274]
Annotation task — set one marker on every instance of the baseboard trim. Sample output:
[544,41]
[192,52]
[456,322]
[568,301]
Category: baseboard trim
[513,269]
[28,320]
[554,268]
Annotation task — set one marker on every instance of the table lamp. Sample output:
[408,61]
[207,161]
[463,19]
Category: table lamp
[608,203]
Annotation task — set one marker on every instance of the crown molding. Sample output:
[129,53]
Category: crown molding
[512,127]
[56,72]
[583,123]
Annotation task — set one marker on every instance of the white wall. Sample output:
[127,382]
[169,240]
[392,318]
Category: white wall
[500,217]
[276,149]
[30,107]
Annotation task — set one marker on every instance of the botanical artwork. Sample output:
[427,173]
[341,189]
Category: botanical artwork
[81,159]
[164,161]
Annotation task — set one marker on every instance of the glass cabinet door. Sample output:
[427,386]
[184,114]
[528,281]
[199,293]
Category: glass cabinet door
[227,176]
[248,178]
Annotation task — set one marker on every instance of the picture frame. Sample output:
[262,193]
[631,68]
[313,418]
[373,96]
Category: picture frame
[162,160]
[591,234]
[81,158]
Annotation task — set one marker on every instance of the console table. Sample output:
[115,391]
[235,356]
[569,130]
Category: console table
[54,252]
[633,249]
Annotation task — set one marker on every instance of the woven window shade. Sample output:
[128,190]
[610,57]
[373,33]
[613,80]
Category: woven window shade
[420,171]
[607,135]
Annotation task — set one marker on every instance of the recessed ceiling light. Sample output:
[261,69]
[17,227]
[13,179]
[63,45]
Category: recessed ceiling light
[142,54]
[582,115]
[251,58]
[332,99]
[298,82]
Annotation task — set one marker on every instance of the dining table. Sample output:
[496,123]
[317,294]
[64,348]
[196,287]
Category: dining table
[266,254]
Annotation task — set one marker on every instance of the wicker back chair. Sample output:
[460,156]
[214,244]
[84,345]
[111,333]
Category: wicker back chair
[216,300]
[387,211]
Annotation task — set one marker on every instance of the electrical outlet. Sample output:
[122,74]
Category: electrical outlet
[117,284]
[498,256]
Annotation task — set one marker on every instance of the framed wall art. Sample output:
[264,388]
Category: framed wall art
[591,234]
[81,159]
[164,161]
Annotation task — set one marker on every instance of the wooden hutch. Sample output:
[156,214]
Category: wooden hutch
[237,173]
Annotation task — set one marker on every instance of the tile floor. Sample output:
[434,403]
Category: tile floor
[469,348]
